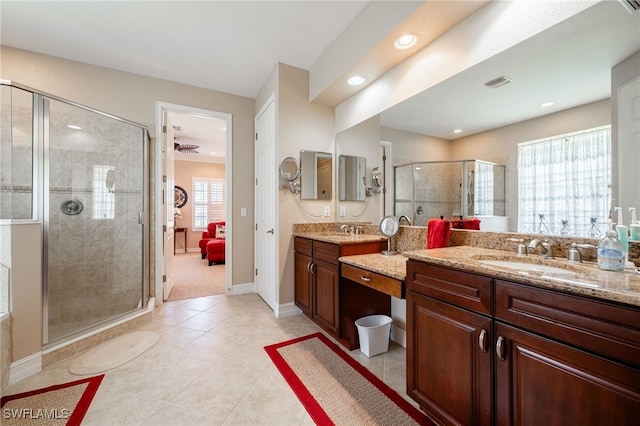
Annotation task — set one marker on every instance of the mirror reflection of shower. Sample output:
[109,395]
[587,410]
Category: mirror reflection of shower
[449,189]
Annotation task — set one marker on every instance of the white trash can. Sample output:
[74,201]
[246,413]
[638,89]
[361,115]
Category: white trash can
[373,332]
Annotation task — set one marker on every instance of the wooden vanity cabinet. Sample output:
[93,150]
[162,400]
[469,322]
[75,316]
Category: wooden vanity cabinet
[550,358]
[303,277]
[449,361]
[565,359]
[317,278]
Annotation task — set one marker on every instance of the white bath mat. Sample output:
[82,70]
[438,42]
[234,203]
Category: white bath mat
[114,353]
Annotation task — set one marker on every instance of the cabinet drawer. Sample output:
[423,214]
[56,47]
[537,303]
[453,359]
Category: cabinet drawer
[326,251]
[379,282]
[459,288]
[303,245]
[600,327]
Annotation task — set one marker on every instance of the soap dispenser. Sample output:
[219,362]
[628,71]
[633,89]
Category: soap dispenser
[634,227]
[611,252]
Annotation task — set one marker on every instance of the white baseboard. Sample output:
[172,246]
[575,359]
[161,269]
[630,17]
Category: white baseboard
[242,289]
[287,310]
[399,336]
[25,367]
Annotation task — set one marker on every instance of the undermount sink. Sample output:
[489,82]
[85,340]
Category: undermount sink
[528,267]
[534,265]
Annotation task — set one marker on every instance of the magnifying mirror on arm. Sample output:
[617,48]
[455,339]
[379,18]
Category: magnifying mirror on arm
[289,173]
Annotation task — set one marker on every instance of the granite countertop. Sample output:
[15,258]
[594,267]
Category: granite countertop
[340,237]
[587,280]
[392,266]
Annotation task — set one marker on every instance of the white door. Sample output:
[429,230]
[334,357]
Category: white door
[629,144]
[168,204]
[266,256]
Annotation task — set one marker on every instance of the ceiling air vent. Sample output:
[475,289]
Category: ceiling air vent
[497,82]
[630,5]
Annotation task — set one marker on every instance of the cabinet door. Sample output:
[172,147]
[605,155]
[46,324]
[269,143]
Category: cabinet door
[542,382]
[302,283]
[326,295]
[449,361]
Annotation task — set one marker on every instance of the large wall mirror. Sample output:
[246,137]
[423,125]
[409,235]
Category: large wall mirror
[316,175]
[570,64]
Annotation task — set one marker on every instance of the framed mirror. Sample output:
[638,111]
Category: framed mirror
[352,178]
[316,175]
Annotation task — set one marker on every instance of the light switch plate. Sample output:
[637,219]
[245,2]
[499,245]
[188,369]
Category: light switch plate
[343,211]
[327,210]
[243,211]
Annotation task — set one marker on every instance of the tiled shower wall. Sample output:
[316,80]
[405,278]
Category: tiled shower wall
[94,257]
[434,187]
[16,154]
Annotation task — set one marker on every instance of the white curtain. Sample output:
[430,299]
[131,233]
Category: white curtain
[563,184]
[484,188]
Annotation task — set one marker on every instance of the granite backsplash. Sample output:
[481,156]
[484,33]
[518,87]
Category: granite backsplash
[415,238]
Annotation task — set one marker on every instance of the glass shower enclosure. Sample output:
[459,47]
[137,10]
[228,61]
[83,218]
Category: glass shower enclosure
[449,189]
[82,174]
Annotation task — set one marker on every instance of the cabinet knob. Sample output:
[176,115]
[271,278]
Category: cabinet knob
[482,341]
[500,348]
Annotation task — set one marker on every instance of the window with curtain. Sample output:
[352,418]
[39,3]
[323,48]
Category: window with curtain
[104,197]
[564,184]
[208,202]
[484,188]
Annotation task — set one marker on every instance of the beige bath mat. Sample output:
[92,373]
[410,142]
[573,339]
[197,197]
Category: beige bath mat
[113,353]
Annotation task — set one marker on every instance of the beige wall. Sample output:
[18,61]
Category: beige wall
[299,125]
[411,147]
[501,145]
[184,171]
[26,290]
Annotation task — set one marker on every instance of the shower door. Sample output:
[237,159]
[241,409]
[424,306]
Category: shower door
[93,208]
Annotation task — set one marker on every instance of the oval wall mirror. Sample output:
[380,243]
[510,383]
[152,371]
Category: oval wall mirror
[289,171]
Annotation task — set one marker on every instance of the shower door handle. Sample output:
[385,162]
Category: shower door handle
[140,218]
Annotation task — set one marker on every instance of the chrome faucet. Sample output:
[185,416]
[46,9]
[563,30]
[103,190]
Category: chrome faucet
[405,218]
[358,230]
[543,248]
[574,255]
[346,229]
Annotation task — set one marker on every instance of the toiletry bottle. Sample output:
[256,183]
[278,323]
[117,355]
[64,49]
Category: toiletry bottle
[634,227]
[611,252]
[623,236]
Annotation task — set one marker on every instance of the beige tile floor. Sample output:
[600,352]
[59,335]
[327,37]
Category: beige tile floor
[209,368]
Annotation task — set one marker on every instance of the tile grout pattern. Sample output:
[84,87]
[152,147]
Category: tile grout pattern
[209,367]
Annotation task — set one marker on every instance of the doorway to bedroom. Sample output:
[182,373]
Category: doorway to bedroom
[196,189]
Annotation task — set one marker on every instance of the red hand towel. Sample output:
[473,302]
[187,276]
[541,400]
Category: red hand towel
[437,233]
[471,224]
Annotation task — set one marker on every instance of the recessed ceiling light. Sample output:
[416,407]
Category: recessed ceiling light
[74,127]
[457,131]
[405,41]
[355,80]
[546,104]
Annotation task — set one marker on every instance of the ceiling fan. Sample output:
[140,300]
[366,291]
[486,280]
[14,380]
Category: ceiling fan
[186,148]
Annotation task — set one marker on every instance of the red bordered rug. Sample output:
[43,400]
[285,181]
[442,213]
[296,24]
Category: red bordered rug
[335,388]
[64,404]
